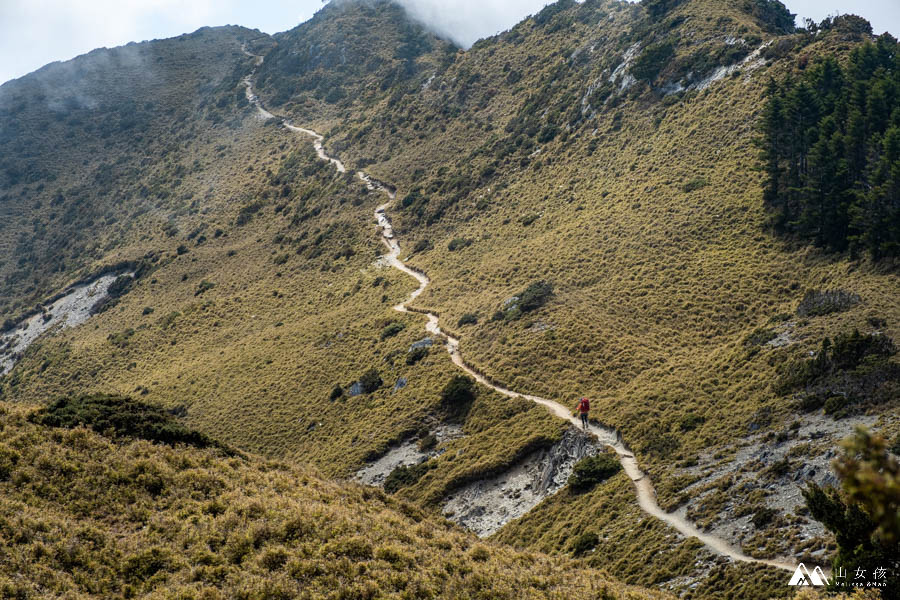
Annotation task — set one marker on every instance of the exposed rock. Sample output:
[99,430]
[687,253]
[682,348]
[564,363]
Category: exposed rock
[401,383]
[809,450]
[784,337]
[423,343]
[406,454]
[485,506]
[71,310]
[539,326]
[816,303]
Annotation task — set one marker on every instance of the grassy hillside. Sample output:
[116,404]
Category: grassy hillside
[332,66]
[84,516]
[604,147]
[248,333]
[96,152]
[535,157]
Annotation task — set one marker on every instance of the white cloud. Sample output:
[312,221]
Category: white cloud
[466,21]
[36,32]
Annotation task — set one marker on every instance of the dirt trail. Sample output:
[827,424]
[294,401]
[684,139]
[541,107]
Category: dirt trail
[646,494]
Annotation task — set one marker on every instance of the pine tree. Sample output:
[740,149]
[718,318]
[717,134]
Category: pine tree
[830,148]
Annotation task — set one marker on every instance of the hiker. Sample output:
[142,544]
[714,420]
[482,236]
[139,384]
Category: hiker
[584,406]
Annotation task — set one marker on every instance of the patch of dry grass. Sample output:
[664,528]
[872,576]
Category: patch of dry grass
[84,517]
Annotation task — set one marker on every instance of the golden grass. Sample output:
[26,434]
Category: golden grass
[85,517]
[656,288]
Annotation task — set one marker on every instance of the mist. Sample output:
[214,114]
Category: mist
[34,33]
[466,21]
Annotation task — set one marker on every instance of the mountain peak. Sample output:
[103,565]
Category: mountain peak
[771,16]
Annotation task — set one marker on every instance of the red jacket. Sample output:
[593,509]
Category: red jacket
[585,405]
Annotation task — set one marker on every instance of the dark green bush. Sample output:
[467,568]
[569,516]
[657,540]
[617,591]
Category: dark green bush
[392,329]
[120,286]
[274,559]
[459,392]
[415,355]
[774,15]
[659,8]
[548,133]
[760,337]
[142,566]
[246,213]
[411,198]
[851,350]
[592,470]
[652,61]
[584,543]
[404,476]
[336,392]
[370,381]
[763,517]
[809,402]
[697,183]
[428,442]
[512,313]
[458,244]
[120,416]
[535,296]
[816,303]
[121,338]
[836,406]
[467,319]
[547,14]
[691,421]
[853,363]
[203,287]
[8,460]
[778,469]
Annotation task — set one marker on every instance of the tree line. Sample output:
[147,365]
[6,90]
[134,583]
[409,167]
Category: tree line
[831,151]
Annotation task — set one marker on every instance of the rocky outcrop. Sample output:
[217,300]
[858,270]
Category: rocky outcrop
[70,310]
[407,454]
[487,505]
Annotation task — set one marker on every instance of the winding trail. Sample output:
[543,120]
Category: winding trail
[608,436]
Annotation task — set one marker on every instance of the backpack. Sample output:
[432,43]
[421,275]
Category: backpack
[584,405]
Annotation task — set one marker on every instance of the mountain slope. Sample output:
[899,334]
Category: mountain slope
[603,148]
[640,204]
[96,150]
[85,516]
[333,65]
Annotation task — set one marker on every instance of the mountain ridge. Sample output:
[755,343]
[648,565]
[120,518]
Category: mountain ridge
[516,163]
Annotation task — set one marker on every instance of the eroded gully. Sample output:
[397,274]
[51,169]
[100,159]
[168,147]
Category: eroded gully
[608,436]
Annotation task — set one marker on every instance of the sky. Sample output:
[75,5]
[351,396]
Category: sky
[36,32]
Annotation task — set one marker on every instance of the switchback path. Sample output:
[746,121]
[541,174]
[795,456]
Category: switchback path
[608,436]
